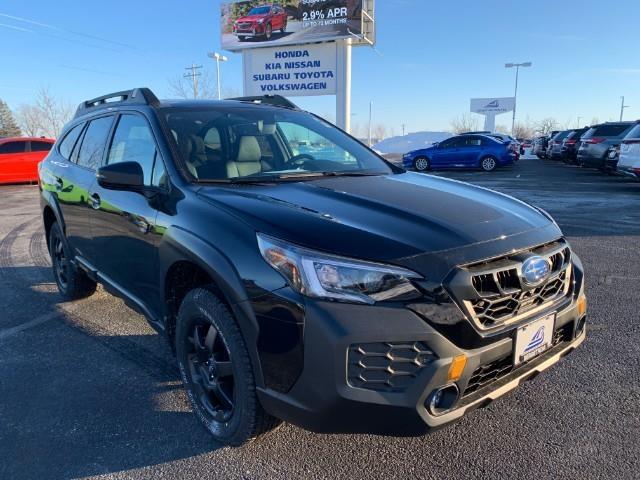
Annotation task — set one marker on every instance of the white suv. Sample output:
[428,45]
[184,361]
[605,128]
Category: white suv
[629,163]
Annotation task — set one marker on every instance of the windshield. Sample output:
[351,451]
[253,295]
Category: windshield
[245,143]
[259,11]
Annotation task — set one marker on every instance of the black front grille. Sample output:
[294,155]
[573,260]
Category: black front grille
[493,293]
[496,369]
[491,311]
[489,372]
[386,366]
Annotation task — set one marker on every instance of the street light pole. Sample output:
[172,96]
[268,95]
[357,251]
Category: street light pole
[218,58]
[515,95]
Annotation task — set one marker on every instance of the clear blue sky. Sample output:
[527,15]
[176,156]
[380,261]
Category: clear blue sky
[431,57]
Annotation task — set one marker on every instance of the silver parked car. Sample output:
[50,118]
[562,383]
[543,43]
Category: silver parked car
[629,163]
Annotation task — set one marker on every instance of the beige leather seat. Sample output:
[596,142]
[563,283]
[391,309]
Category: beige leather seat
[248,159]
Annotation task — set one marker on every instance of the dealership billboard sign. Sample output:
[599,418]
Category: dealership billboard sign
[492,106]
[255,23]
[291,71]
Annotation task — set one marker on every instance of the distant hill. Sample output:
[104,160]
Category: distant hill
[412,141]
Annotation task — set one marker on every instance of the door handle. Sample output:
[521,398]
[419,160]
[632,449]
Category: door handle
[94,201]
[59,184]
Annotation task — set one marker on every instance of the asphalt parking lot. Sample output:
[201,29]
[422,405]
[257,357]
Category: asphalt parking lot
[87,388]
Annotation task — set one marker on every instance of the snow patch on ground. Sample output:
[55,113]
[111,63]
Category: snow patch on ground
[411,141]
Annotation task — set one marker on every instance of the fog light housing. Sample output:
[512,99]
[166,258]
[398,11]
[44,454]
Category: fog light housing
[580,326]
[443,399]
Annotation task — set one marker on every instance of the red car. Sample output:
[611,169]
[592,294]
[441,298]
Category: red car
[19,158]
[261,22]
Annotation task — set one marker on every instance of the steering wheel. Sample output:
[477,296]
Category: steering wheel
[299,160]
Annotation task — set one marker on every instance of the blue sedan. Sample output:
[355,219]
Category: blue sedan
[462,151]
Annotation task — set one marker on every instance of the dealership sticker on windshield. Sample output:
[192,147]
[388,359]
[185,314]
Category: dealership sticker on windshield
[534,338]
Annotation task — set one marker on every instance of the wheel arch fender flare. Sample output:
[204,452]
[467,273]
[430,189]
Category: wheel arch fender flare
[178,245]
[49,200]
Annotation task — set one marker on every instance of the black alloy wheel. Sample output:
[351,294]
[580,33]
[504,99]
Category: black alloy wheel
[72,282]
[216,370]
[211,371]
[60,262]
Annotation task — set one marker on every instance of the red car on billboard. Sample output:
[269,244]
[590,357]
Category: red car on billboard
[261,21]
[19,158]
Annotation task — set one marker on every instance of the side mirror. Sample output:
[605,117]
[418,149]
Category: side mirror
[121,176]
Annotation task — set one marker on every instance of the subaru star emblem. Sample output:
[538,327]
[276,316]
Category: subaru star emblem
[535,270]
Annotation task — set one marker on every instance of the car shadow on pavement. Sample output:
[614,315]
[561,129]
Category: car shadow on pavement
[80,398]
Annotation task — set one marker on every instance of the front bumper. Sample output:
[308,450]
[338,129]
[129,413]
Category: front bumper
[628,172]
[256,31]
[325,399]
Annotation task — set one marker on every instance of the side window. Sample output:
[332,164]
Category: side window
[13,147]
[474,142]
[133,142]
[93,142]
[457,142]
[449,142]
[40,146]
[69,141]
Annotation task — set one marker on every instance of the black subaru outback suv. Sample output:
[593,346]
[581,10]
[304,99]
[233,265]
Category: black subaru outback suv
[299,276]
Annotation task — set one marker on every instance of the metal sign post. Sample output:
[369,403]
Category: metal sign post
[343,84]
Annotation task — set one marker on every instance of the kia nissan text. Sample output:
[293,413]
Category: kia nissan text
[297,275]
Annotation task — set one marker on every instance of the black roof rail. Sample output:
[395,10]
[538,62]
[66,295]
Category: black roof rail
[275,100]
[137,96]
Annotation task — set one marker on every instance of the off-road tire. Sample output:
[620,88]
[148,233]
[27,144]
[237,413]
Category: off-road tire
[248,419]
[73,283]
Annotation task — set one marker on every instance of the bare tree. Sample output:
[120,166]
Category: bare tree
[547,125]
[8,125]
[525,129]
[379,131]
[30,120]
[464,123]
[53,113]
[501,128]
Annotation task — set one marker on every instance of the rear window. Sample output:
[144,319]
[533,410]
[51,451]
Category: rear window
[562,135]
[95,138]
[41,146]
[610,130]
[69,141]
[634,132]
[13,147]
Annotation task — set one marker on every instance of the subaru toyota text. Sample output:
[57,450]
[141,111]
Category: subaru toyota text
[297,275]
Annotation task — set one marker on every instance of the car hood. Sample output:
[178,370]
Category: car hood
[386,217]
[251,18]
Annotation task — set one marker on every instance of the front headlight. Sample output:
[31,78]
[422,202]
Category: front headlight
[320,275]
[261,21]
